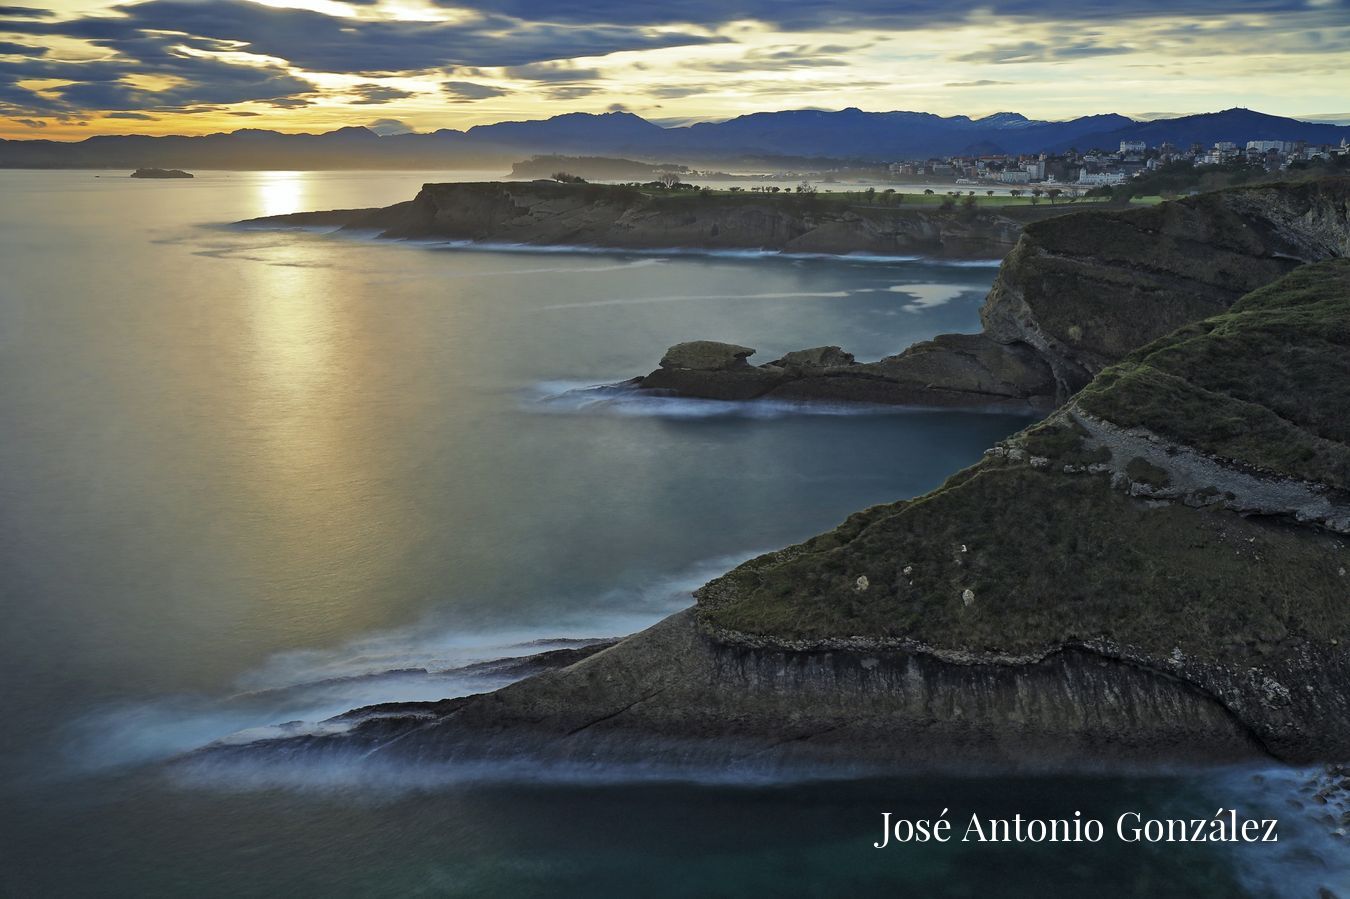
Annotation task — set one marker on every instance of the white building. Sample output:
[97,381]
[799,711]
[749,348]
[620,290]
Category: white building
[1014,176]
[1097,179]
[1265,146]
[1133,146]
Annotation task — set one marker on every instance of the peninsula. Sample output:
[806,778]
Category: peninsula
[1156,573]
[1078,293]
[550,213]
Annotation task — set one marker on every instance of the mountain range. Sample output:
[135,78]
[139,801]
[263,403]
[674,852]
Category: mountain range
[847,134]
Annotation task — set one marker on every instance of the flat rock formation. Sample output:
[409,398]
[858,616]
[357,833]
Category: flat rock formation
[1156,574]
[597,215]
[1077,293]
[952,370]
[161,173]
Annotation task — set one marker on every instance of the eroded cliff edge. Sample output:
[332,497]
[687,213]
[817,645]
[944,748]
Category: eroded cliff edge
[1156,574]
[547,213]
[1076,294]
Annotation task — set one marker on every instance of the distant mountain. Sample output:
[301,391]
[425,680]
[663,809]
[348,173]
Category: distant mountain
[846,134]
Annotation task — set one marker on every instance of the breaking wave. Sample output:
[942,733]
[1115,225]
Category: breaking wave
[297,691]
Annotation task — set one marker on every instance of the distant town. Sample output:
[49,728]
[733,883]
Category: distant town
[1098,168]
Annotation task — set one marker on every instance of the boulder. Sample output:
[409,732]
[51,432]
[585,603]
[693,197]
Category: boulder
[706,355]
[815,357]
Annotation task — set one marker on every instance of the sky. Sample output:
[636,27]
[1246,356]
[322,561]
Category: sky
[70,69]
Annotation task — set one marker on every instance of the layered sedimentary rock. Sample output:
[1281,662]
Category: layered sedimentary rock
[1078,293]
[952,370]
[1155,574]
[596,215]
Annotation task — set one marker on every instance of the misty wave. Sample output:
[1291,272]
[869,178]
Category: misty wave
[579,397]
[298,691]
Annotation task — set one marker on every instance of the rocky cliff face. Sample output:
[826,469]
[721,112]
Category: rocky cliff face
[1155,574]
[1186,514]
[1078,293]
[549,213]
[1084,290]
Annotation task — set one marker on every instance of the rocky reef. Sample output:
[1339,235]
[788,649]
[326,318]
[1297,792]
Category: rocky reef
[1157,573]
[161,173]
[599,215]
[952,370]
[1076,294]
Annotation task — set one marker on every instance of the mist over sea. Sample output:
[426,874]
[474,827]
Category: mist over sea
[252,477]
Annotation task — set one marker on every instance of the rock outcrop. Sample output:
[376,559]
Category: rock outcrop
[598,215]
[952,370]
[1084,290]
[1078,293]
[1155,574]
[161,173]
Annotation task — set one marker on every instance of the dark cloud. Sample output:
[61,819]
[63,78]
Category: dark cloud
[571,91]
[1037,51]
[31,123]
[376,94]
[102,84]
[25,12]
[289,103]
[244,113]
[9,49]
[468,91]
[789,56]
[324,43]
[135,116]
[556,72]
[852,14]
[983,82]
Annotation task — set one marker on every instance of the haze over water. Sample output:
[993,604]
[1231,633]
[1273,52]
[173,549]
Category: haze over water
[249,477]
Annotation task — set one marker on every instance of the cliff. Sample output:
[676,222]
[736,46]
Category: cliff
[1076,294]
[598,215]
[1155,574]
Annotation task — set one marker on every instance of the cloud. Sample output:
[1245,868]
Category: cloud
[571,91]
[376,94]
[25,12]
[9,49]
[385,127]
[468,91]
[1037,51]
[31,123]
[104,84]
[552,71]
[983,82]
[324,43]
[877,14]
[136,116]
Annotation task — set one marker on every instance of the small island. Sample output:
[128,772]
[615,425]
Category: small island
[161,173]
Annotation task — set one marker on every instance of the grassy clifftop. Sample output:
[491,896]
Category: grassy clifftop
[1267,384]
[1049,542]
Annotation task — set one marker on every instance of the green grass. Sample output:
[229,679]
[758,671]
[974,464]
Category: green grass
[1053,557]
[1050,559]
[1267,383]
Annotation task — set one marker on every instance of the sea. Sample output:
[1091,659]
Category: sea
[251,476]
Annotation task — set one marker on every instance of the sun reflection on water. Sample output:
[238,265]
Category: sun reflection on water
[280,193]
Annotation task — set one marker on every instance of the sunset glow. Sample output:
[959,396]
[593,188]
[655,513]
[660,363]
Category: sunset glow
[72,69]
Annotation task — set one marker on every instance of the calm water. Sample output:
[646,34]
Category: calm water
[249,477]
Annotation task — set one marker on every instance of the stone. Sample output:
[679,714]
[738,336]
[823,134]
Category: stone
[707,355]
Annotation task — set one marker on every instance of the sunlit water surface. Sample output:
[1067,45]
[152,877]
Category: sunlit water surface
[253,476]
